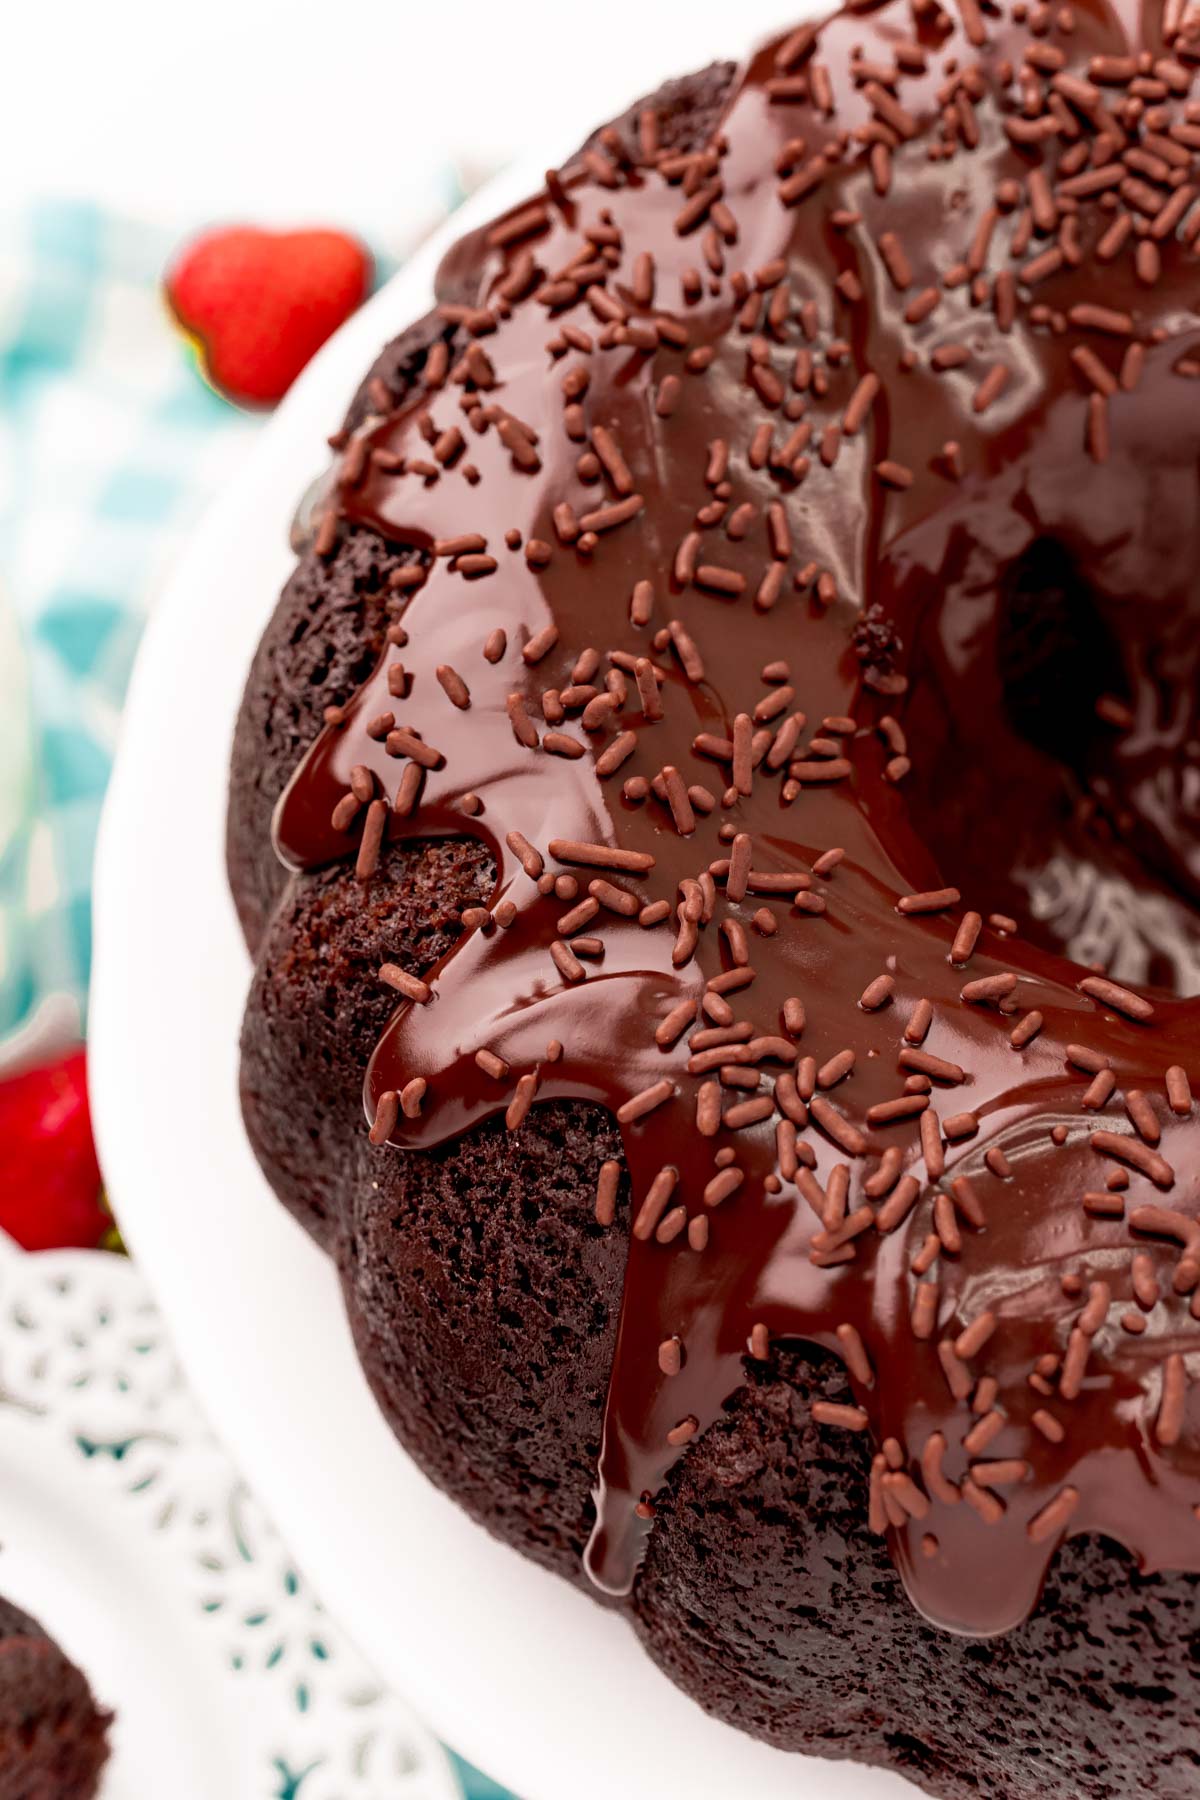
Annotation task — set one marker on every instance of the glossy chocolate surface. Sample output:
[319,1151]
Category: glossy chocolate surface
[948,557]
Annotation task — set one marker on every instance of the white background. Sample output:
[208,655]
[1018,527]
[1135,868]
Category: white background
[346,111]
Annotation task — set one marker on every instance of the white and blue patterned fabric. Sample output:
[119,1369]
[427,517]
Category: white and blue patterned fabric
[109,446]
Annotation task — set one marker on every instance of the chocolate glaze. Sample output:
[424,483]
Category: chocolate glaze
[941,560]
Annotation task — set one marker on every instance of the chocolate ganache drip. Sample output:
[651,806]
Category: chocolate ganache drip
[720,491]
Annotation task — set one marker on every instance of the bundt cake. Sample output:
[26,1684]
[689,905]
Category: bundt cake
[722,783]
[53,1737]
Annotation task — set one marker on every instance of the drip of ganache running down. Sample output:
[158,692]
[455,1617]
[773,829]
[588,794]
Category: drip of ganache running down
[720,487]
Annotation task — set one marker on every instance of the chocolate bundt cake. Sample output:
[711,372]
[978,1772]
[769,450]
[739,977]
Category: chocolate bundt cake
[725,774]
[53,1737]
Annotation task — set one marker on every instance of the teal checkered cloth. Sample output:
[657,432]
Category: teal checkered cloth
[110,446]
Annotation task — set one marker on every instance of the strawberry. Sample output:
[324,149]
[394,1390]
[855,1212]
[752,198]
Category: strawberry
[50,1188]
[258,304]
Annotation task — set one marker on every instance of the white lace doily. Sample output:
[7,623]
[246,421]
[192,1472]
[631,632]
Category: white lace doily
[125,1529]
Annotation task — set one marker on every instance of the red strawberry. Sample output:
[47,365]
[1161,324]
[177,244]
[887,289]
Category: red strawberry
[50,1188]
[258,304]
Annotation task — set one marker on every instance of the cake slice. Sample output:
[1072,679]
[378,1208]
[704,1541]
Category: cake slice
[53,1736]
